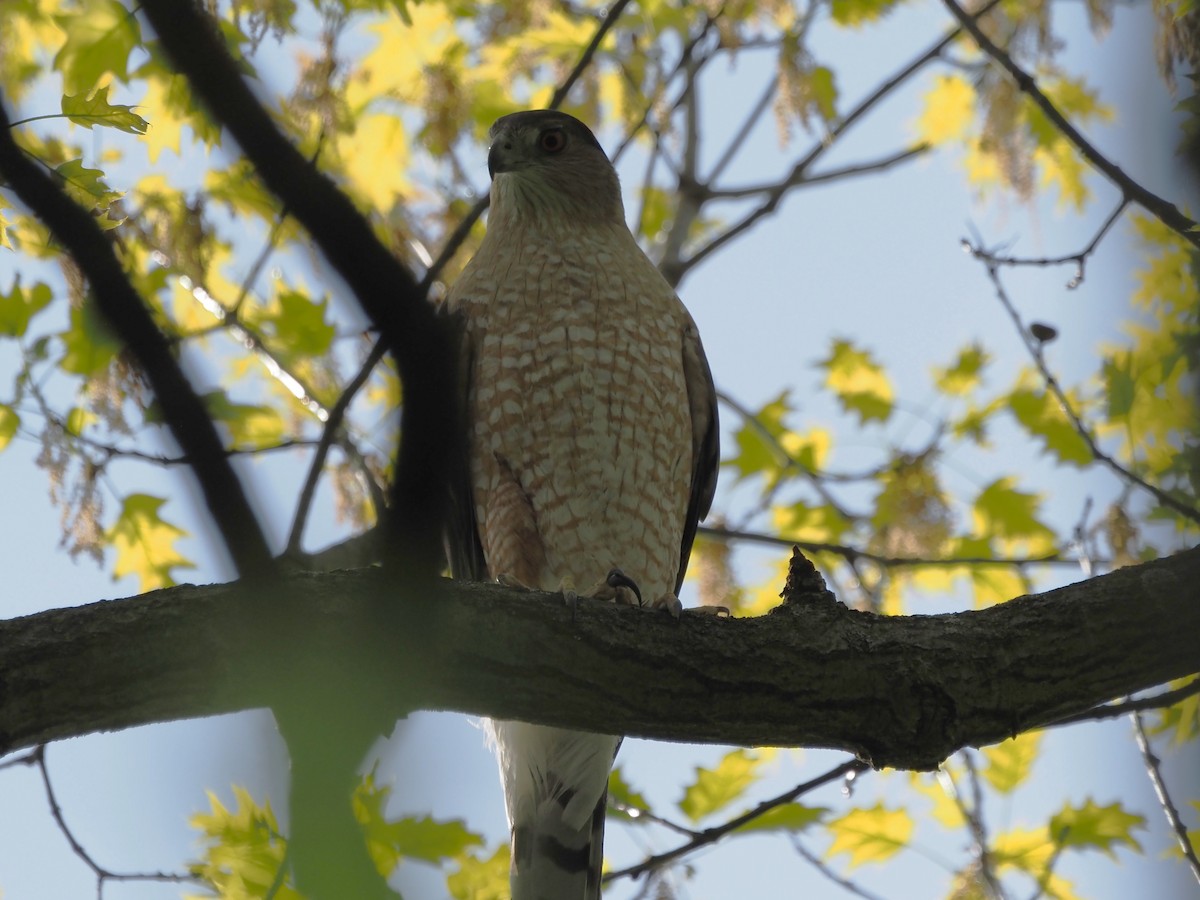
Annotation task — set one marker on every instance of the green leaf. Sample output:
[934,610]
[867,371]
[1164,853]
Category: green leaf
[1119,386]
[757,441]
[1003,511]
[145,543]
[9,421]
[243,849]
[1099,827]
[20,306]
[86,187]
[299,325]
[422,838]
[788,817]
[870,835]
[250,426]
[964,375]
[96,110]
[1043,417]
[858,12]
[1010,763]
[858,381]
[621,793]
[100,35]
[90,344]
[481,878]
[714,789]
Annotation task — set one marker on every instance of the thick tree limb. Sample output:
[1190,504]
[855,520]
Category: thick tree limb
[902,691]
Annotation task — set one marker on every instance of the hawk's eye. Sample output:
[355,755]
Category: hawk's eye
[552,141]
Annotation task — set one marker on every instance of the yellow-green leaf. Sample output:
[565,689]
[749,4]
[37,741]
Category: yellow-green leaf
[9,421]
[1003,511]
[1099,827]
[858,381]
[145,543]
[100,36]
[857,12]
[622,794]
[89,342]
[20,305]
[1009,763]
[481,878]
[714,789]
[96,110]
[243,850]
[870,835]
[1043,417]
[299,325]
[949,110]
[964,374]
[788,817]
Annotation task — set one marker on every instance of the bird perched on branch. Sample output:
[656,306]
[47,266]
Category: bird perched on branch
[591,424]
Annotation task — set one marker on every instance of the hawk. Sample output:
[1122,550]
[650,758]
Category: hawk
[591,426]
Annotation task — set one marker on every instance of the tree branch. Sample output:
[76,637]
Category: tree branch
[897,691]
[1161,209]
[127,315]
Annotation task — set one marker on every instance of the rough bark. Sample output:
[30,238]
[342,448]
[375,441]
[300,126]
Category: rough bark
[898,691]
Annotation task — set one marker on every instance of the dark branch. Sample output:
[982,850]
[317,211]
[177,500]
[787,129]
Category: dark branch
[899,691]
[386,290]
[714,834]
[128,316]
[1161,209]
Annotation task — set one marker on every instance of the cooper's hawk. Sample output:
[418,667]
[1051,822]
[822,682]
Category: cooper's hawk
[592,431]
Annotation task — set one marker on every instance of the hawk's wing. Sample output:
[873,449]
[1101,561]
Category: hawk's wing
[464,551]
[706,451]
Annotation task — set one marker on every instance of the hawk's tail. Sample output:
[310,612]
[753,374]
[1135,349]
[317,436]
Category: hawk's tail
[553,861]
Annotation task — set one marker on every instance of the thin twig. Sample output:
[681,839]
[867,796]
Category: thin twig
[712,835]
[972,814]
[1079,259]
[329,434]
[639,814]
[102,874]
[825,869]
[585,59]
[1169,809]
[776,197]
[798,179]
[1161,209]
[1034,347]
[1125,707]
[848,552]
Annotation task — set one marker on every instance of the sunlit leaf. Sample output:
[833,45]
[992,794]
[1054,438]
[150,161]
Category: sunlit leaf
[858,12]
[100,35]
[1010,763]
[145,543]
[243,850]
[89,343]
[714,789]
[870,835]
[96,110]
[20,305]
[794,817]
[9,422]
[1099,827]
[964,374]
[860,383]
[481,878]
[1003,511]
[949,110]
[620,793]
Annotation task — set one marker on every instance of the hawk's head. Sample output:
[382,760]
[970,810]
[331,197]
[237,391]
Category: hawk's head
[548,163]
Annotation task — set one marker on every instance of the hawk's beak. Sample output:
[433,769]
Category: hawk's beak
[502,154]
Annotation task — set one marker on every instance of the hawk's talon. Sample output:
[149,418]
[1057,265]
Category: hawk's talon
[617,579]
